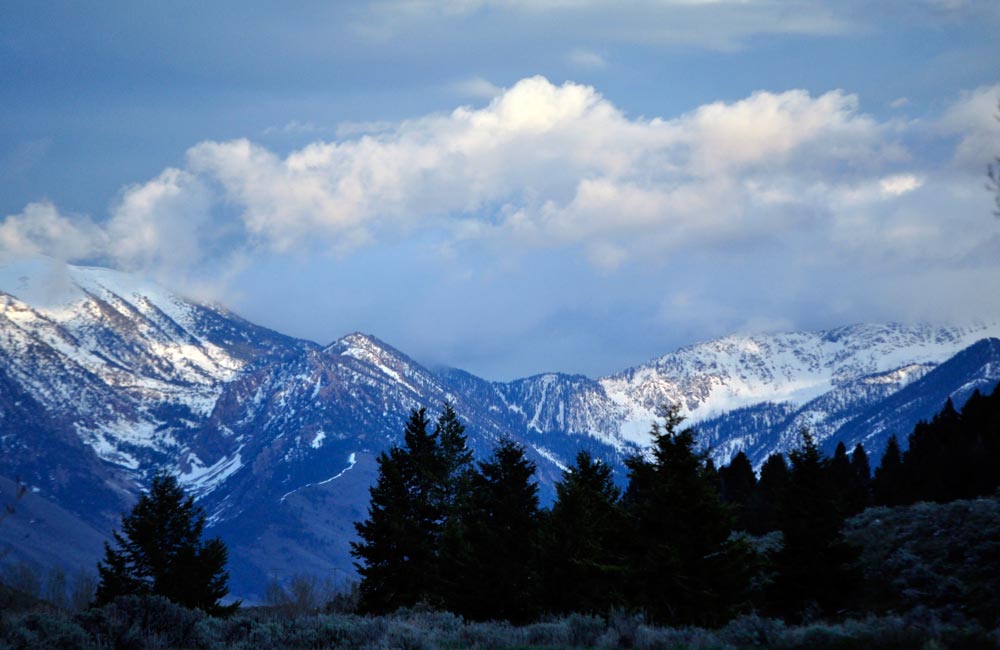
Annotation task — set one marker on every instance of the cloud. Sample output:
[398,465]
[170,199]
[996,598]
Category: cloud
[975,120]
[539,165]
[41,230]
[900,184]
[295,127]
[790,184]
[164,226]
[709,24]
[586,59]
[478,87]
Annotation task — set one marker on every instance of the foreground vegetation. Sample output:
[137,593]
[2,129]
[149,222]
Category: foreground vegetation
[929,582]
[148,622]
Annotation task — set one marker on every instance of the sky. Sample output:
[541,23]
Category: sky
[515,186]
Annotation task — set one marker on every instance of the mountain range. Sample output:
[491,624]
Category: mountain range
[106,379]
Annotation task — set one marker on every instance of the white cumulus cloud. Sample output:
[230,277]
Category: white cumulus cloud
[553,166]
[40,229]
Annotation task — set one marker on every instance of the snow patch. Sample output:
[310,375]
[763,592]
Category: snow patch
[201,479]
[351,461]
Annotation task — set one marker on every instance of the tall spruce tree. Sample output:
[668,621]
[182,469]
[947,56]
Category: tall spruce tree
[764,510]
[860,496]
[492,551]
[453,492]
[738,486]
[887,487]
[840,475]
[455,459]
[398,546]
[159,551]
[582,550]
[812,563]
[683,568]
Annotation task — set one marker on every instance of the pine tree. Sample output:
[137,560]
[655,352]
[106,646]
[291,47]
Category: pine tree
[453,491]
[840,475]
[413,505]
[398,540]
[682,568]
[492,552]
[812,563]
[582,547]
[764,511]
[887,487]
[738,486]
[455,458]
[160,551]
[860,495]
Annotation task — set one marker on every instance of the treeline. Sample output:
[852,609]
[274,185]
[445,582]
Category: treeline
[954,456]
[685,543]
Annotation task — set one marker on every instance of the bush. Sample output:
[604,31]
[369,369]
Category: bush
[753,631]
[344,600]
[43,631]
[584,630]
[937,556]
[141,622]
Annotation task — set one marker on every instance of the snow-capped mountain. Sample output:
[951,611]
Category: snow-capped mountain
[716,377]
[752,393]
[106,379]
[117,370]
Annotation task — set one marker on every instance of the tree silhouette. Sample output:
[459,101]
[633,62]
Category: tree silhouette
[582,547]
[411,504]
[887,487]
[492,551]
[738,486]
[812,563]
[763,511]
[160,552]
[860,494]
[398,540]
[683,568]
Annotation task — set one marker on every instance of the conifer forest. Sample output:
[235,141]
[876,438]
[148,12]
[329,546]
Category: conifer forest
[814,551]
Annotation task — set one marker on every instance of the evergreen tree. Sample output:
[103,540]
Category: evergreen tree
[860,495]
[492,551]
[887,487]
[738,485]
[582,541]
[812,563]
[932,465]
[398,547]
[981,424]
[840,475]
[456,458]
[453,494]
[682,568]
[160,551]
[764,511]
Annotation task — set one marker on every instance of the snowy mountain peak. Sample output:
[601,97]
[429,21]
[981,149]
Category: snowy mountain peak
[738,371]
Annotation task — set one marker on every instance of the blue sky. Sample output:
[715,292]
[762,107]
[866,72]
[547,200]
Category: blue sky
[510,186]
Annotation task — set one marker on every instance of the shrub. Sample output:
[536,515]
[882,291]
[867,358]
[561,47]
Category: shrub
[44,631]
[141,622]
[584,630]
[753,631]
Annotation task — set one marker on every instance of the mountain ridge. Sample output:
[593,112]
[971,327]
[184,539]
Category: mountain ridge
[119,379]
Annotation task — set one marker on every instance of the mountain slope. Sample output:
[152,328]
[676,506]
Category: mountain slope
[106,379]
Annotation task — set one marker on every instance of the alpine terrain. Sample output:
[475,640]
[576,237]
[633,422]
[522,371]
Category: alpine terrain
[106,379]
